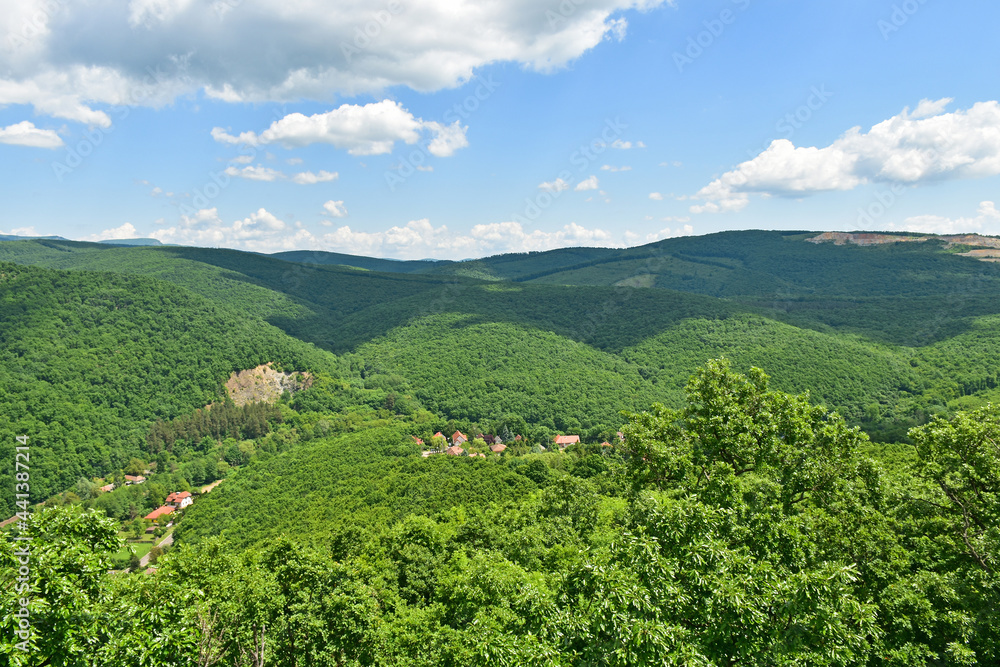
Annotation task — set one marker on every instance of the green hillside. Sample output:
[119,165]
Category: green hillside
[732,522]
[89,360]
[850,324]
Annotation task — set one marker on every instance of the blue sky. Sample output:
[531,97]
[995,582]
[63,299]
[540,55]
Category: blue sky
[424,128]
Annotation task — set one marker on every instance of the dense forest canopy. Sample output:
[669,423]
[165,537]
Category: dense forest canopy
[748,527]
[843,510]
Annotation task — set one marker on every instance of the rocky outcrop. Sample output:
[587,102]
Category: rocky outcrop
[264,384]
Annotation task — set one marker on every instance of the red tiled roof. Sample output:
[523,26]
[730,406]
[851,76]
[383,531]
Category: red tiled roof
[439,434]
[417,440]
[177,496]
[567,439]
[454,450]
[605,444]
[162,510]
[496,449]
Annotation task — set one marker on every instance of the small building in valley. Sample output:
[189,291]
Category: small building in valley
[159,513]
[563,441]
[179,499]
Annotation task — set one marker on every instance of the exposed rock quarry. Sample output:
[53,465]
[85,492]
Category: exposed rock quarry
[264,384]
[989,245]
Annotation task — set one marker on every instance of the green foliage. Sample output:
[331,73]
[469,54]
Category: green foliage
[89,360]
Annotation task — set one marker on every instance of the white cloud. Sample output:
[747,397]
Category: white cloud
[261,231]
[311,53]
[608,167]
[372,129]
[419,239]
[336,209]
[20,231]
[557,185]
[668,233]
[255,173]
[626,145]
[588,184]
[268,175]
[618,29]
[309,178]
[294,161]
[125,231]
[242,159]
[26,134]
[987,221]
[447,138]
[913,148]
[656,196]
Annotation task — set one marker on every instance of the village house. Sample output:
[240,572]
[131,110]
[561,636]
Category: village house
[106,488]
[498,448]
[134,479]
[564,441]
[454,450]
[457,438]
[179,499]
[417,440]
[158,513]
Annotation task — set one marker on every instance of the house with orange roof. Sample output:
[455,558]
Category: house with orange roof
[158,513]
[497,449]
[179,499]
[457,438]
[454,450]
[564,441]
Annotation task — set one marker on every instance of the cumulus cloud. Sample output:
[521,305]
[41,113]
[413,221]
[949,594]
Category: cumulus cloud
[262,231]
[309,178]
[125,231]
[266,174]
[912,148]
[557,185]
[656,196]
[587,184]
[335,209]
[26,134]
[633,238]
[255,173]
[372,129]
[986,221]
[419,238]
[612,169]
[626,145]
[20,231]
[273,50]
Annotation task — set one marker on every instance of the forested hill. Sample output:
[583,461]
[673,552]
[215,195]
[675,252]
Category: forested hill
[886,335]
[88,360]
[730,523]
